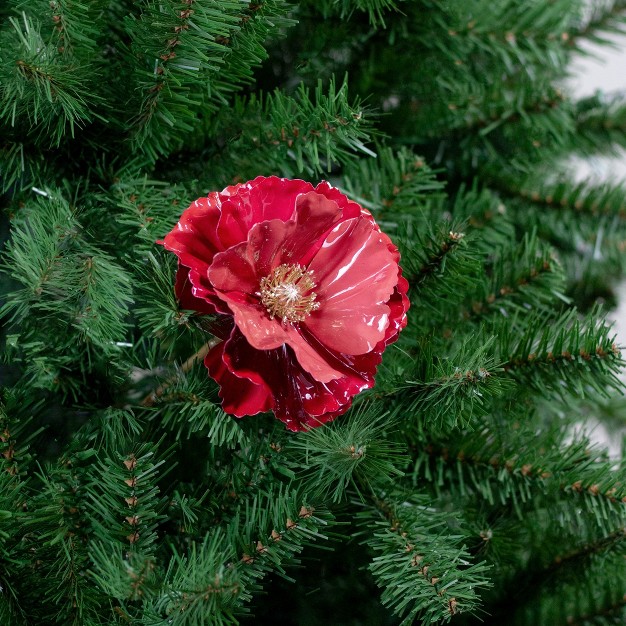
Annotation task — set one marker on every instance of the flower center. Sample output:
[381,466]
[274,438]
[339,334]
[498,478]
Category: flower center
[286,293]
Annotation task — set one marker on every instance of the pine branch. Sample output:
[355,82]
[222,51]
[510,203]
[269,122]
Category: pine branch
[176,44]
[395,183]
[429,255]
[357,453]
[237,475]
[151,398]
[18,170]
[127,578]
[605,17]
[508,472]
[583,198]
[144,210]
[212,583]
[76,26]
[441,265]
[601,124]
[40,89]
[161,318]
[419,560]
[346,9]
[301,135]
[259,22]
[529,589]
[125,506]
[187,408]
[611,614]
[435,256]
[578,556]
[527,277]
[584,221]
[170,53]
[55,532]
[486,216]
[14,460]
[564,354]
[454,388]
[470,113]
[73,299]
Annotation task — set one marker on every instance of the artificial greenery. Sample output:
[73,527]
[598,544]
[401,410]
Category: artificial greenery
[465,487]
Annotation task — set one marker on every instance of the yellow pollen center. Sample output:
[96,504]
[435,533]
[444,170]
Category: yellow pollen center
[286,293]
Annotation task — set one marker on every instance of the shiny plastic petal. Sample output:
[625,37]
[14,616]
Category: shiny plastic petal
[240,396]
[398,306]
[194,239]
[356,275]
[272,242]
[185,294]
[299,400]
[348,207]
[252,321]
[257,201]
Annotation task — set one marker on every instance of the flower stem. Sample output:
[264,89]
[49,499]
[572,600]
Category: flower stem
[151,398]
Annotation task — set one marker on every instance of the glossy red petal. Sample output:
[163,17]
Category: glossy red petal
[236,275]
[186,297]
[257,201]
[240,396]
[253,322]
[398,306]
[298,399]
[349,207]
[355,275]
[194,239]
[273,242]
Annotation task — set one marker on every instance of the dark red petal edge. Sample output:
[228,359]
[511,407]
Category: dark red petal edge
[240,396]
[186,298]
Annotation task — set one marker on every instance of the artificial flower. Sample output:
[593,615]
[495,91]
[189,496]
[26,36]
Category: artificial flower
[309,287]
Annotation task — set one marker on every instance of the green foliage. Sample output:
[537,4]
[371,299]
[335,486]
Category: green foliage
[302,134]
[443,390]
[419,559]
[73,299]
[601,122]
[40,89]
[343,9]
[174,48]
[466,486]
[356,454]
[396,185]
[210,583]
[548,353]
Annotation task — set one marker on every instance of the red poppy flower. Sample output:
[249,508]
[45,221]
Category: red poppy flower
[312,288]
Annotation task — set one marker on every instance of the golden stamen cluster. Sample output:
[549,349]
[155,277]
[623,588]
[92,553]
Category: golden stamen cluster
[286,293]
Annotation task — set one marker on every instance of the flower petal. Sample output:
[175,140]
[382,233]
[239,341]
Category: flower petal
[349,207]
[185,295]
[194,239]
[240,395]
[398,305]
[299,400]
[252,322]
[307,372]
[236,273]
[257,201]
[356,274]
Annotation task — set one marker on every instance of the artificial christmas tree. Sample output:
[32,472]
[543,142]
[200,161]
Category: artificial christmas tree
[461,486]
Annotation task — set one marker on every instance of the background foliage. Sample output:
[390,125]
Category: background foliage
[462,488]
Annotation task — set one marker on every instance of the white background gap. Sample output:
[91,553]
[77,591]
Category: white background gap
[604,70]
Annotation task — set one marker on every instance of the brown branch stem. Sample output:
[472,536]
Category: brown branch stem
[153,396]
